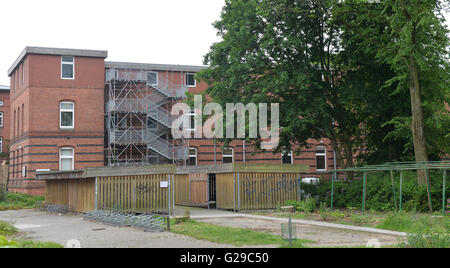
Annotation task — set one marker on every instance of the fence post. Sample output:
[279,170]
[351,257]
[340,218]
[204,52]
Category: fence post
[332,190]
[234,192]
[168,194]
[430,204]
[173,194]
[239,191]
[300,187]
[364,192]
[96,193]
[393,190]
[443,192]
[401,185]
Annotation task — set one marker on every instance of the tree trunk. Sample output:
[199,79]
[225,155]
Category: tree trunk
[418,124]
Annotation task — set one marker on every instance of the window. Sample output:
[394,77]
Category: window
[321,159]
[191,120]
[228,155]
[66,159]
[286,158]
[192,157]
[1,144]
[152,124]
[1,119]
[67,115]
[190,80]
[1,103]
[67,68]
[152,78]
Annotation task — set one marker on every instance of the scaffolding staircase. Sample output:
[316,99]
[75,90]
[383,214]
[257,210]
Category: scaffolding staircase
[139,122]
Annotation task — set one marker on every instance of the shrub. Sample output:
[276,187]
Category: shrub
[379,192]
[307,205]
[428,240]
[6,229]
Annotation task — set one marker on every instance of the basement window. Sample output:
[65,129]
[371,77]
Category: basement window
[67,68]
[190,80]
[228,155]
[67,118]
[66,159]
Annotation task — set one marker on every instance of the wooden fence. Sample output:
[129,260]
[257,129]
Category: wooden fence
[140,193]
[77,195]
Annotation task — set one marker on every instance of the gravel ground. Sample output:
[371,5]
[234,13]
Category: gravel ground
[42,226]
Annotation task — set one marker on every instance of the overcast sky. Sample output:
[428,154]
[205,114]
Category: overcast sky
[148,31]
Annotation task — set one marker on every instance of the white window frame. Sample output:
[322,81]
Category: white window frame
[157,78]
[227,155]
[186,78]
[2,103]
[61,110]
[66,157]
[193,155]
[189,114]
[287,154]
[1,119]
[1,144]
[324,156]
[68,63]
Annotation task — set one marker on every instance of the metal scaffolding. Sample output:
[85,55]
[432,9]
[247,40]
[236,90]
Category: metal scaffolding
[138,118]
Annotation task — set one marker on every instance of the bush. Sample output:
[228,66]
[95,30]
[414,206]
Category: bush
[379,193]
[308,205]
[6,229]
[428,240]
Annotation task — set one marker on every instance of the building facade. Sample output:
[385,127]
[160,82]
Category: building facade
[71,110]
[4,124]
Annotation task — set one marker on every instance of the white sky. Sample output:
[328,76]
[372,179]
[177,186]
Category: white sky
[148,31]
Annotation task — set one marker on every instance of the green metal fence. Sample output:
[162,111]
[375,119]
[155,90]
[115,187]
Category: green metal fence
[397,167]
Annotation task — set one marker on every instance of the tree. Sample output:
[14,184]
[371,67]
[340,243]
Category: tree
[416,48]
[295,53]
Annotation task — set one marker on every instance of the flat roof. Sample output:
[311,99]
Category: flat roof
[58,52]
[154,66]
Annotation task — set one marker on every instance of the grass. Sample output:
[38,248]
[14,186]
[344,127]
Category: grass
[9,239]
[14,201]
[230,235]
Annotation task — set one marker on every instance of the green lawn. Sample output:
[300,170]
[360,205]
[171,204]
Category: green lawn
[230,235]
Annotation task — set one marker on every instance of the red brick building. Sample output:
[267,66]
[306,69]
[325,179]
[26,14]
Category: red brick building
[4,124]
[71,110]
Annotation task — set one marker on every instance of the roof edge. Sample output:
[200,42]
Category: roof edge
[57,52]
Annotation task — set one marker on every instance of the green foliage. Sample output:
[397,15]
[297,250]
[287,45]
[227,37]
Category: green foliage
[15,201]
[380,193]
[5,243]
[307,205]
[427,240]
[6,229]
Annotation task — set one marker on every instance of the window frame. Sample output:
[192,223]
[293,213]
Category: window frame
[68,63]
[1,145]
[61,157]
[324,154]
[1,119]
[186,78]
[227,155]
[61,110]
[290,153]
[194,156]
[157,78]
